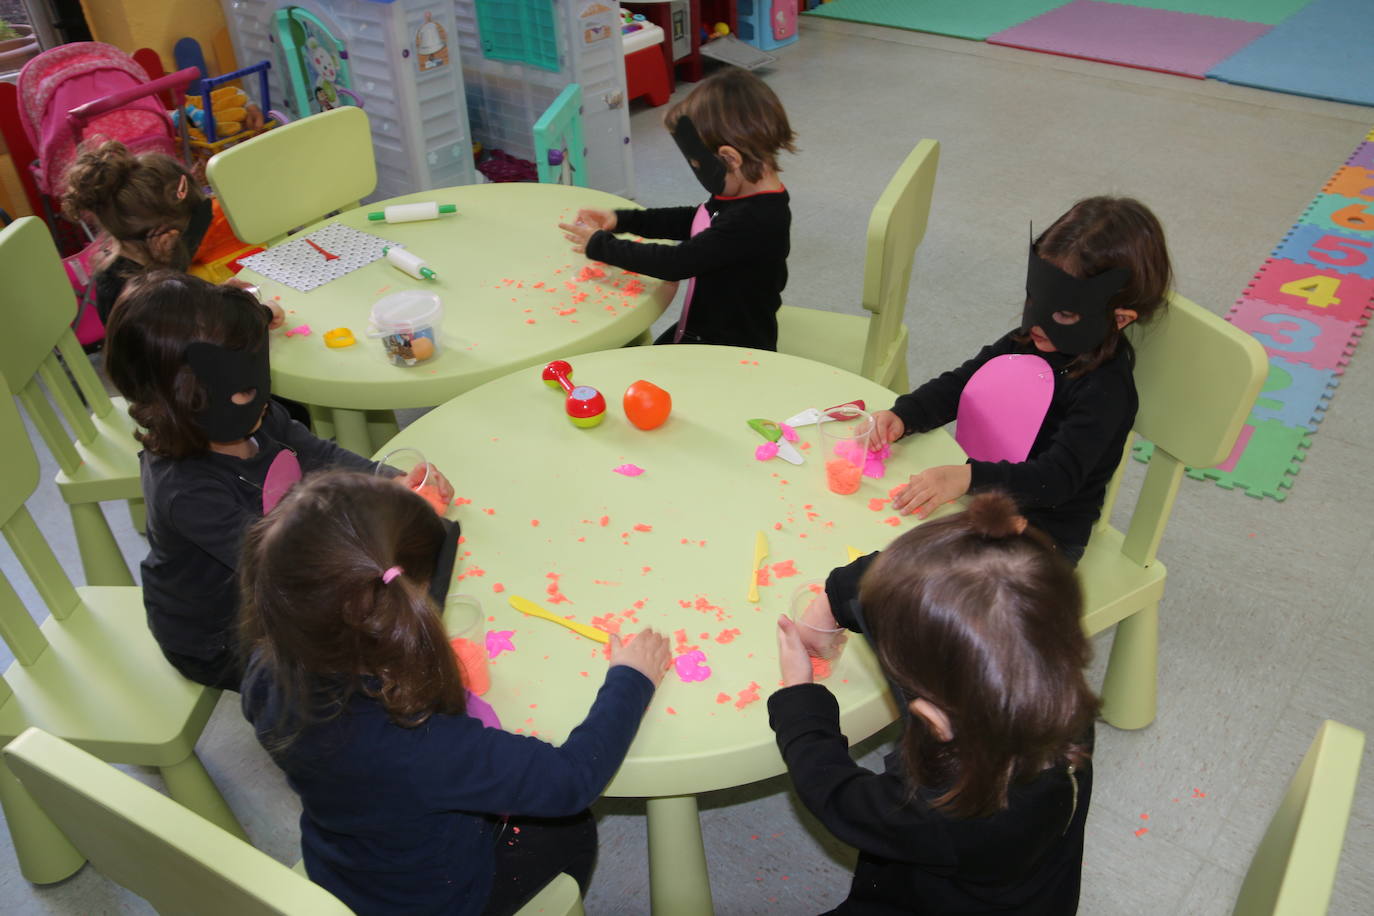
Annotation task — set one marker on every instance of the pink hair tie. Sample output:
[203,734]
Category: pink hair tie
[390,574]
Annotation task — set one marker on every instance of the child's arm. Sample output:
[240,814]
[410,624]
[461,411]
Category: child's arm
[868,810]
[727,241]
[313,452]
[657,223]
[495,771]
[937,401]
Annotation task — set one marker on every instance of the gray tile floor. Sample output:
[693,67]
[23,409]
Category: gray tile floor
[1266,625]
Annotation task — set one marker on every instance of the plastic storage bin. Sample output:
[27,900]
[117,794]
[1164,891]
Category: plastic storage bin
[767,24]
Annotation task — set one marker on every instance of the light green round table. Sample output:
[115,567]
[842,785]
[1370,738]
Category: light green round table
[551,520]
[511,293]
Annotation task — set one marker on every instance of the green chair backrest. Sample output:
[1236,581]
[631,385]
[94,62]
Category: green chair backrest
[38,304]
[895,229]
[18,480]
[1294,868]
[1198,376]
[173,858]
[295,174]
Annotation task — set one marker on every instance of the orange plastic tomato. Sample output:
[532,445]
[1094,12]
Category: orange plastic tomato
[647,405]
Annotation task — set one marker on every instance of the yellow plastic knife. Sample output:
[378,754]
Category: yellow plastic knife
[760,551]
[526,606]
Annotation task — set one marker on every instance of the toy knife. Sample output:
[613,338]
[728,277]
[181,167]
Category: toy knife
[760,551]
[773,433]
[812,415]
[525,606]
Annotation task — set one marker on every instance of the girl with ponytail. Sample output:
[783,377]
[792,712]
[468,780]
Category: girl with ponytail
[975,621]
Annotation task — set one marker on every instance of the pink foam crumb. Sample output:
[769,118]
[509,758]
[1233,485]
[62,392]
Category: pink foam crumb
[461,500]
[722,698]
[766,451]
[726,636]
[604,521]
[748,695]
[629,470]
[892,520]
[877,504]
[820,668]
[785,569]
[643,527]
[497,587]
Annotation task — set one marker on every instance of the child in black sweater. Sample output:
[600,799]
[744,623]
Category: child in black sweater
[1099,267]
[974,619]
[733,248]
[354,690]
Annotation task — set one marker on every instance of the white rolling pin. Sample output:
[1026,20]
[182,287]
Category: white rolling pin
[412,264]
[409,213]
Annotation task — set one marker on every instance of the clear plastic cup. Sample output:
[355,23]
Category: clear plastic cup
[466,627]
[406,460]
[822,642]
[844,446]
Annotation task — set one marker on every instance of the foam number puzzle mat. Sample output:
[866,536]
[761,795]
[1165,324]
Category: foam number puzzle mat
[975,19]
[328,253]
[1308,306]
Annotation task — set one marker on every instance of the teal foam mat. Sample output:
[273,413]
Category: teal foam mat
[975,19]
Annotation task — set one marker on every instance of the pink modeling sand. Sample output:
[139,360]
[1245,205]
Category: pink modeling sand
[472,659]
[842,477]
[691,666]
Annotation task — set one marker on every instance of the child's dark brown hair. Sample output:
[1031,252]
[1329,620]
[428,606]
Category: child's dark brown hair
[320,621]
[978,614]
[159,313]
[132,197]
[733,107]
[1099,234]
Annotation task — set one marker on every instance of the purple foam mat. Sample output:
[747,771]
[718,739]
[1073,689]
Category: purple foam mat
[1134,36]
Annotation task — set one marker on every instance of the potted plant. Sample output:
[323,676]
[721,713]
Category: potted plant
[18,43]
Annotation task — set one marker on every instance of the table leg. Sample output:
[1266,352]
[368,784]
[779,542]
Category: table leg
[381,429]
[351,432]
[678,881]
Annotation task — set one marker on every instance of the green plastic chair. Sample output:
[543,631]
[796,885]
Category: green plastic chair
[38,346]
[1294,868]
[1198,377]
[874,347]
[176,860]
[295,174]
[91,674]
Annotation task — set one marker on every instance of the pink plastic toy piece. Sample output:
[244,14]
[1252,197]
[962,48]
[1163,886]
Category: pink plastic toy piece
[766,451]
[629,470]
[788,432]
[691,666]
[499,641]
[300,330]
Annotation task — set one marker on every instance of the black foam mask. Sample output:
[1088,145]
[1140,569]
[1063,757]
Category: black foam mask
[225,373]
[1050,290]
[706,165]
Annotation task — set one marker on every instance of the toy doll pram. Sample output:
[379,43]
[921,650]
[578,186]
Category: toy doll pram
[88,89]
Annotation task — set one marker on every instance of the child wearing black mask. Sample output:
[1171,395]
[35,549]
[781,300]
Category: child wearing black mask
[1099,267]
[192,360]
[733,248]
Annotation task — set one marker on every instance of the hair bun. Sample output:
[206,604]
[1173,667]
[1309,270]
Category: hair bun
[995,515]
[95,176]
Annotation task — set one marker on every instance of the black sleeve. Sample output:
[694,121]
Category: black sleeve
[731,239]
[658,223]
[937,401]
[209,516]
[108,285]
[867,810]
[1092,424]
[842,589]
[313,452]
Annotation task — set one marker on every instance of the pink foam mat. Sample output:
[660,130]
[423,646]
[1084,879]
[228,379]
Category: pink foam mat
[1134,36]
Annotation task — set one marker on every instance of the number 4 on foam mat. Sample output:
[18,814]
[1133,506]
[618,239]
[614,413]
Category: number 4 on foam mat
[1305,289]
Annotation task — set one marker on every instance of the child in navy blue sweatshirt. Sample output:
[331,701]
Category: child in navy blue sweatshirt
[410,805]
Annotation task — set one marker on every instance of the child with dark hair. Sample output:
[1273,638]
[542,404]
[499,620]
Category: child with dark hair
[154,214]
[733,248]
[974,620]
[191,358]
[354,690]
[1098,268]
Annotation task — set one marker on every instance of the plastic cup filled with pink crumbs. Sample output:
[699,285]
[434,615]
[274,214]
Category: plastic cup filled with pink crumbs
[844,448]
[406,460]
[467,634]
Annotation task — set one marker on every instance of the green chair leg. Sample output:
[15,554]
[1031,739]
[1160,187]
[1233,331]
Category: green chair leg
[381,429]
[189,784]
[351,432]
[1130,686]
[138,515]
[678,881]
[101,559]
[45,854]
[901,383]
[321,421]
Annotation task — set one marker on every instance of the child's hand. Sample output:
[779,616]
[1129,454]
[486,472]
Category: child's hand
[887,428]
[597,219]
[821,634]
[278,316]
[932,488]
[437,481]
[579,234]
[793,660]
[647,653]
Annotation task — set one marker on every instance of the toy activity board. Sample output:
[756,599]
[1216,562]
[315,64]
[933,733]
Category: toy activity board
[328,253]
[1307,305]
[395,59]
[519,56]
[558,150]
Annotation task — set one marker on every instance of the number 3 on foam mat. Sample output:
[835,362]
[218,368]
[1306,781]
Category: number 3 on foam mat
[1316,290]
[1298,339]
[1339,251]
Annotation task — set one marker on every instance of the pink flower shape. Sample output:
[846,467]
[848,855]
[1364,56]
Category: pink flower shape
[499,641]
